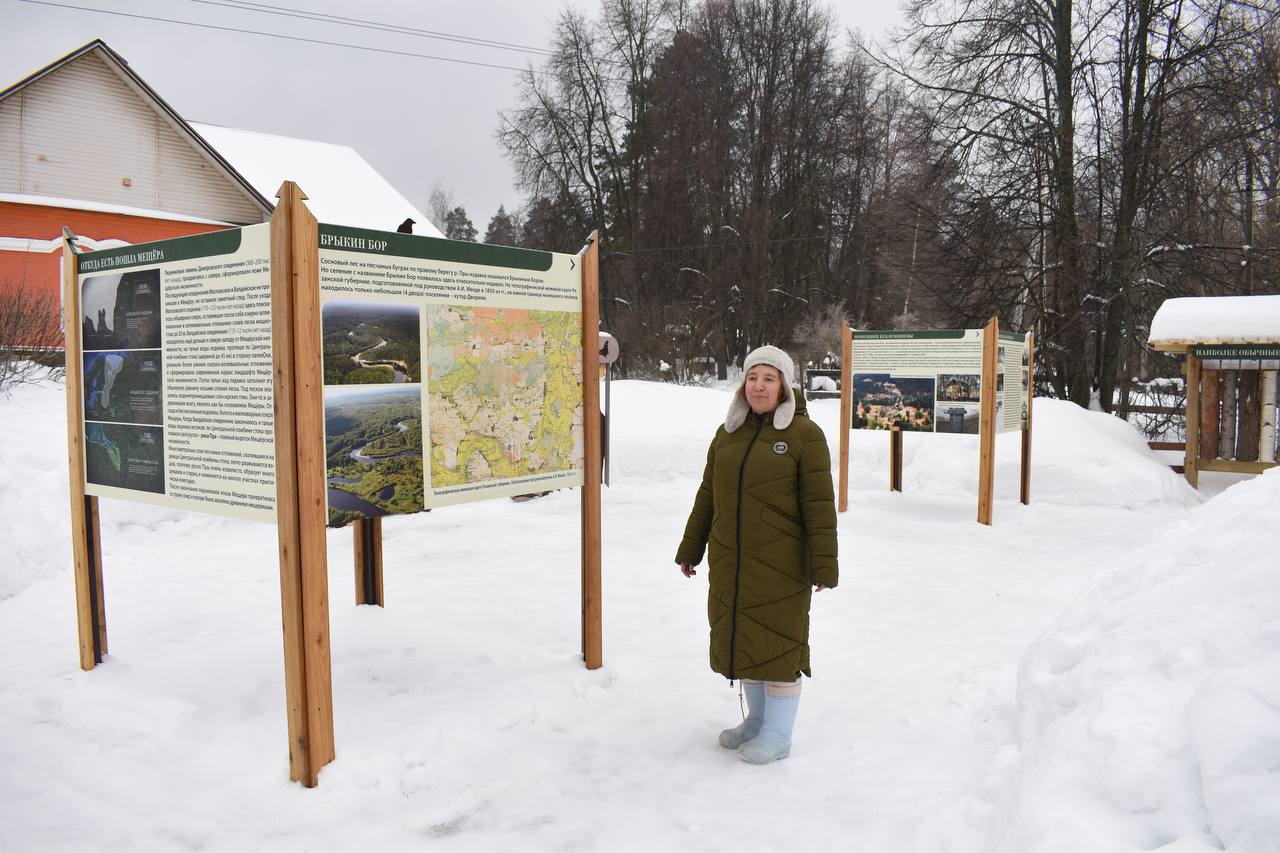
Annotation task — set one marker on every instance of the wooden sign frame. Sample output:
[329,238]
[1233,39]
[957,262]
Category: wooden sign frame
[987,428]
[846,410]
[301,503]
[86,537]
[987,422]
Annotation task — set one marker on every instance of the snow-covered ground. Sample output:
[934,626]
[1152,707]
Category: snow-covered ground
[1097,671]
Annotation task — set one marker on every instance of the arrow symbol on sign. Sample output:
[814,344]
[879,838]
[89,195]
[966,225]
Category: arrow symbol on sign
[571,263]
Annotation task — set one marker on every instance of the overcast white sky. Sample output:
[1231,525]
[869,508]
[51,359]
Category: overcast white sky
[418,121]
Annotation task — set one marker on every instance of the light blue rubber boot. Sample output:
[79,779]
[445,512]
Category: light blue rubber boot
[748,728]
[774,740]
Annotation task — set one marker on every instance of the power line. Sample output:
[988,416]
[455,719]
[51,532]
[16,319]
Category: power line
[361,23]
[282,36]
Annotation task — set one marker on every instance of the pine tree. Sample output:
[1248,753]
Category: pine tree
[458,226]
[503,229]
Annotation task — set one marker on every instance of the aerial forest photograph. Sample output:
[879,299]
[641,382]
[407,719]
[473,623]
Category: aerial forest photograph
[370,343]
[373,451]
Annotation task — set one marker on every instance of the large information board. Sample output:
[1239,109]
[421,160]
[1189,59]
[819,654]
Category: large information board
[249,372]
[931,381]
[976,381]
[452,371]
[917,381]
[176,340]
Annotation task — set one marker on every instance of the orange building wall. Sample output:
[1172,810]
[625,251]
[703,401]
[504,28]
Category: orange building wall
[42,270]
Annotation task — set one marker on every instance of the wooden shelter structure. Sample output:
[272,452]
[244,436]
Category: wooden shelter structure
[1231,346]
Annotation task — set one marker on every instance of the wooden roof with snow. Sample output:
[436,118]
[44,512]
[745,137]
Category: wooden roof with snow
[1184,322]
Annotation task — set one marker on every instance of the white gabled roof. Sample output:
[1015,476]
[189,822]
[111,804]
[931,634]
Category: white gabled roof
[341,187]
[120,67]
[1215,320]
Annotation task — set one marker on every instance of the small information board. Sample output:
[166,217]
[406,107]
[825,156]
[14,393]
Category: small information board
[956,381]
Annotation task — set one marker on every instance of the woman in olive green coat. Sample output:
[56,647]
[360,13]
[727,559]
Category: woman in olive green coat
[766,513]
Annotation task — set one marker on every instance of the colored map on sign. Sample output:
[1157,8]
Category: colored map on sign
[504,393]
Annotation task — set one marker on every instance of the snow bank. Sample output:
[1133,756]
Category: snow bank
[1150,712]
[1093,458]
[661,432]
[33,502]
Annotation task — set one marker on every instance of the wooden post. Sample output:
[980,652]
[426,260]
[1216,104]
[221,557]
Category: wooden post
[1267,434]
[1191,457]
[86,541]
[1024,475]
[895,459]
[366,533]
[1250,411]
[1210,400]
[846,410]
[1227,433]
[300,484]
[987,421]
[592,641]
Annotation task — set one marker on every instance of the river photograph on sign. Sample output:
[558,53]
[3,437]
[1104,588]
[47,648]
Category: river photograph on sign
[123,386]
[121,311]
[883,401]
[125,456]
[373,451]
[368,343]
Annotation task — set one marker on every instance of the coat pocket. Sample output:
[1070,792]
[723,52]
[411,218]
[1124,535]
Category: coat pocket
[781,522]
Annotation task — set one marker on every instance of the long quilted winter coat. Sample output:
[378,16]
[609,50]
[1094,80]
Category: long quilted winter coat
[766,510]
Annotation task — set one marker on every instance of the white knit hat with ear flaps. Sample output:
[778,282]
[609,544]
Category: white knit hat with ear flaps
[739,408]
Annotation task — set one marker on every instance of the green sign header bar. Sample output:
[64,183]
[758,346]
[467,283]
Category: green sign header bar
[160,252]
[894,335]
[393,244]
[1242,351]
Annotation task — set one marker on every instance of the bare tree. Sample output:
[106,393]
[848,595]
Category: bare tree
[30,336]
[1001,80]
[439,203]
[1064,164]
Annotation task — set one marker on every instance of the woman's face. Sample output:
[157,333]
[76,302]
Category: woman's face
[763,388]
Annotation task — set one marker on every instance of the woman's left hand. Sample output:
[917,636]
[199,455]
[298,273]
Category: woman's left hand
[819,587]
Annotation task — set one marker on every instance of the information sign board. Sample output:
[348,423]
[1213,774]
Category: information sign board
[453,371]
[931,381]
[176,341]
[1013,382]
[928,381]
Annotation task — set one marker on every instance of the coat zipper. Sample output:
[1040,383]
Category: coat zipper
[737,551]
